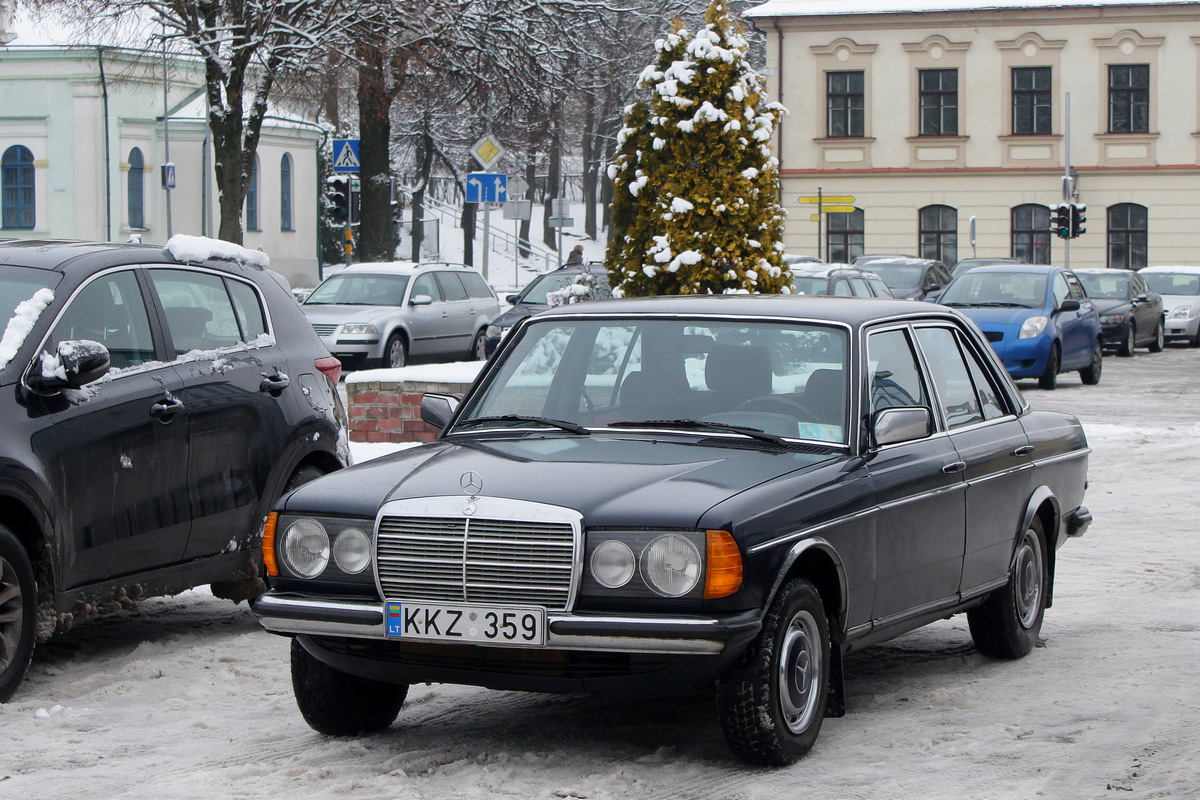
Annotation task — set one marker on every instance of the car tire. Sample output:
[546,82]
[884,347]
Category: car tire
[1195,340]
[18,612]
[1049,378]
[1159,341]
[395,353]
[772,701]
[478,346]
[1129,343]
[1008,623]
[1091,373]
[337,703]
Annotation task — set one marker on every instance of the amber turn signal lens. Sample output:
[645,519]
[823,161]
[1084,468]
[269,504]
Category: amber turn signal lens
[268,545]
[724,574]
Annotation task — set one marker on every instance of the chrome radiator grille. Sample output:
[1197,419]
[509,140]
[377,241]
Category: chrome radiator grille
[455,559]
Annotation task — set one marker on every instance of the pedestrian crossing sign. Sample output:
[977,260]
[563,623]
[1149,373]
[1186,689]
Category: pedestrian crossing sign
[345,155]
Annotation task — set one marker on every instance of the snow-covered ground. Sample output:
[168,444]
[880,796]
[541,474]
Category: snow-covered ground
[190,698]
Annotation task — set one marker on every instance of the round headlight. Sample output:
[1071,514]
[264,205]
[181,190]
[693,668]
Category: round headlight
[305,547]
[671,565]
[613,564]
[352,551]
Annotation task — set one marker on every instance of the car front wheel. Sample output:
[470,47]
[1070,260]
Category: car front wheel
[1156,346]
[339,704]
[395,354]
[18,613]
[1049,378]
[479,346]
[1008,623]
[772,702]
[1126,348]
[1091,373]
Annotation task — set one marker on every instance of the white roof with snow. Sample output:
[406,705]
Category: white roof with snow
[816,8]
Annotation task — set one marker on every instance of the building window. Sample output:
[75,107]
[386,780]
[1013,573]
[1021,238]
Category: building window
[135,182]
[844,236]
[939,102]
[285,193]
[1127,242]
[1031,234]
[1129,98]
[252,198]
[844,99]
[1031,100]
[16,174]
[939,234]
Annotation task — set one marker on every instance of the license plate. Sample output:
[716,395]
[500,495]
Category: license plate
[512,626]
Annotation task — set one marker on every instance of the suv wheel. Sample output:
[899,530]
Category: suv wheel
[18,612]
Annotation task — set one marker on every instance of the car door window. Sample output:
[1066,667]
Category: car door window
[951,378]
[841,288]
[426,285]
[198,311]
[109,310]
[1061,290]
[881,289]
[1139,286]
[860,287]
[1075,288]
[476,286]
[451,286]
[895,376]
[249,310]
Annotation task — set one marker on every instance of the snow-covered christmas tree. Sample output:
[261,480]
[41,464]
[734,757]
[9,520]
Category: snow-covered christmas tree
[696,208]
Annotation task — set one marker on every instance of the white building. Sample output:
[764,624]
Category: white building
[82,143]
[931,116]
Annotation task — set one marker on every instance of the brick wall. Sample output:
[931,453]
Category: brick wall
[390,411]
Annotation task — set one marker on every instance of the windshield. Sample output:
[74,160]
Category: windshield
[1177,283]
[1105,287]
[1011,289]
[898,276]
[360,290]
[537,291]
[18,284]
[784,379]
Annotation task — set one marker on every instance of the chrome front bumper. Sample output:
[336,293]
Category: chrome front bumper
[360,619]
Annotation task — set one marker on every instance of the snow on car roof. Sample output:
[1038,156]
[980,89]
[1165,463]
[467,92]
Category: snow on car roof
[194,249]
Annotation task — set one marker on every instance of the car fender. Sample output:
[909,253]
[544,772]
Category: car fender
[1040,497]
[313,439]
[815,544]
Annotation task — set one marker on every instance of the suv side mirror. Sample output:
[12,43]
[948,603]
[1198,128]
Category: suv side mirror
[74,364]
[437,409]
[894,425]
[1069,305]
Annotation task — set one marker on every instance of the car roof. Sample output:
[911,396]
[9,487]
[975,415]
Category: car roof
[1034,269]
[852,311]
[913,260]
[1104,271]
[400,267]
[72,257]
[1190,269]
[811,270]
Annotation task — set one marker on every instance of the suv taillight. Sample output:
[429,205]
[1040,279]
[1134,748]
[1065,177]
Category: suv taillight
[330,366]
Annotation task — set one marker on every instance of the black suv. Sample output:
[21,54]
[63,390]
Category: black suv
[151,412]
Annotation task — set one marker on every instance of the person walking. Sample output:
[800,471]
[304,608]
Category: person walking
[576,256]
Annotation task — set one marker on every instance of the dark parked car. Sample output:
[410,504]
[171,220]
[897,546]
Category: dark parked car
[839,280]
[908,278]
[1130,314]
[1037,317]
[657,494]
[152,412]
[536,296]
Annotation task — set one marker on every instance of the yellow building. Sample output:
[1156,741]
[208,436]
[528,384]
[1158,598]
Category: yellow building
[955,116]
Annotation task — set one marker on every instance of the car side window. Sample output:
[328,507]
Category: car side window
[860,287]
[198,311]
[1061,290]
[989,397]
[425,284]
[893,371]
[1075,288]
[248,308]
[1139,286]
[881,289]
[109,310]
[452,288]
[956,393]
[476,286]
[841,288]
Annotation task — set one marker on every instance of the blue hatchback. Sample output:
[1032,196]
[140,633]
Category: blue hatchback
[1037,317]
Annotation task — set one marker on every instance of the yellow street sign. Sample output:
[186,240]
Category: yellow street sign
[825,199]
[837,209]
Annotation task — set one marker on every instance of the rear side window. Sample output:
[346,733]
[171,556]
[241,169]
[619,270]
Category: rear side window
[476,285]
[199,313]
[109,310]
[452,288]
[248,309]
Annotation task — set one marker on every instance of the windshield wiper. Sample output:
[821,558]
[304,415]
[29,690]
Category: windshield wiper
[701,425]
[553,423]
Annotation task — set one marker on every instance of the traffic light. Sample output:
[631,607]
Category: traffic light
[1078,217]
[1060,220]
[337,198]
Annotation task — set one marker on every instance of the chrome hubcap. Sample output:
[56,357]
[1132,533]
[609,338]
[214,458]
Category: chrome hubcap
[1028,579]
[800,676]
[11,613]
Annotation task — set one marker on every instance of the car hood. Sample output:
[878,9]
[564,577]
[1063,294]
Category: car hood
[518,313]
[1110,306]
[1174,301]
[340,314]
[612,480]
[999,317]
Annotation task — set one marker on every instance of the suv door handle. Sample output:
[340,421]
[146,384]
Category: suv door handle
[274,384]
[957,466]
[166,408]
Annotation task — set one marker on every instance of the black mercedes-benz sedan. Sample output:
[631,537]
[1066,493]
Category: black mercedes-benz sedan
[664,493]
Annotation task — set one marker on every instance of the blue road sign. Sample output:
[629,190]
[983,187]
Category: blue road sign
[168,175]
[486,187]
[345,155]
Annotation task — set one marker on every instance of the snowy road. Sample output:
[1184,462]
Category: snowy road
[191,699]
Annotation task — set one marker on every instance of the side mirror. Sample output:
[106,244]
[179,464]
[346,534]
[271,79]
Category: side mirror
[512,299]
[437,409]
[1069,305]
[420,300]
[893,425]
[74,364]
